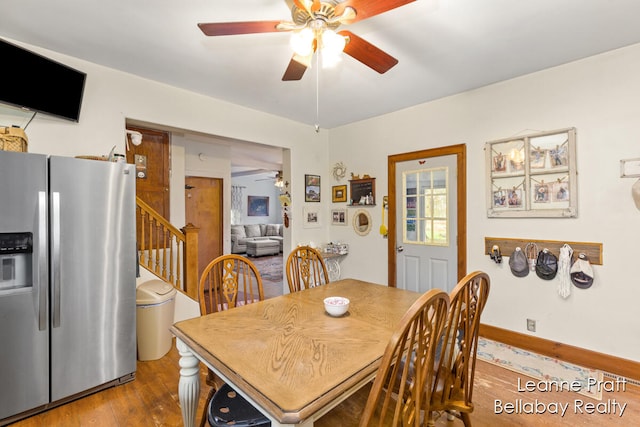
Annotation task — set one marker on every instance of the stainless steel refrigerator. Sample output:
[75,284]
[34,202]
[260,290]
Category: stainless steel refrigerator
[67,279]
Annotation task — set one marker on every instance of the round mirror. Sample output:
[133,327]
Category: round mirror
[362,222]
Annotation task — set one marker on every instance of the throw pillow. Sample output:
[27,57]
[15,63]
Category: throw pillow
[252,230]
[272,230]
[238,230]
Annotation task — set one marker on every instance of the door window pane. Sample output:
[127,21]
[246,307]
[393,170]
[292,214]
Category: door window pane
[425,213]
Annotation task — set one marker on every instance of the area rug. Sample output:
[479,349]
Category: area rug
[539,367]
[271,272]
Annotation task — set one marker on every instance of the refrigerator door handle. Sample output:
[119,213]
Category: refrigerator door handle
[42,260]
[55,258]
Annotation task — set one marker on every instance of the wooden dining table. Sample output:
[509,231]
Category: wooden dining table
[286,355]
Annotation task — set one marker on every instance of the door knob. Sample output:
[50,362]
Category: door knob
[399,248]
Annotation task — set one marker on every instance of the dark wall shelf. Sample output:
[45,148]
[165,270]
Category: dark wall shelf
[362,188]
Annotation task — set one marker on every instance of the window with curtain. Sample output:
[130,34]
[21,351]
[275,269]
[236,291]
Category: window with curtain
[236,204]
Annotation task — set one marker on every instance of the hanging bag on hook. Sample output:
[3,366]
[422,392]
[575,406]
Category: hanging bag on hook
[546,265]
[531,250]
[518,263]
[581,272]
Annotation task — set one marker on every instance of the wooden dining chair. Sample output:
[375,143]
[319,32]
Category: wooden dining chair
[227,282]
[401,392]
[453,384]
[305,269]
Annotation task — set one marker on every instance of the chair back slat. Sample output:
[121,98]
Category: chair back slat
[453,385]
[305,269]
[399,395]
[227,282]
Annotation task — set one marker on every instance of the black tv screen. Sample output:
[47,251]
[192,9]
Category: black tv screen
[40,84]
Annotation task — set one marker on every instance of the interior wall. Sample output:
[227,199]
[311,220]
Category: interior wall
[261,185]
[112,98]
[597,96]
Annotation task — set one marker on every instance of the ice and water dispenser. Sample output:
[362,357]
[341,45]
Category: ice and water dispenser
[16,252]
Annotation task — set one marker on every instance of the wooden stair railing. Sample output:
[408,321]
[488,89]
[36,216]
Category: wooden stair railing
[166,251]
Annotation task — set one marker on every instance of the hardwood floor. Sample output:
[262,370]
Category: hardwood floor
[152,400]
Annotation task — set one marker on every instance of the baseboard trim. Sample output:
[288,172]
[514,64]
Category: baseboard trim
[568,353]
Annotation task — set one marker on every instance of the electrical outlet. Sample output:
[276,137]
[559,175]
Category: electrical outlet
[531,325]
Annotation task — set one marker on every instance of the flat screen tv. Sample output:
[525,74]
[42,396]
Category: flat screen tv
[40,84]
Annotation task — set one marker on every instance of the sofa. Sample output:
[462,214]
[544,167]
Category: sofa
[241,234]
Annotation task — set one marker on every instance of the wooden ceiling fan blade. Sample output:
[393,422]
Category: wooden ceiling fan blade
[309,5]
[299,64]
[368,8]
[370,55]
[295,70]
[233,28]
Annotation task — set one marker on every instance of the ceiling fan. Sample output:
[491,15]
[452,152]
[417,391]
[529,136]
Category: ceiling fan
[313,26]
[277,175]
[277,179]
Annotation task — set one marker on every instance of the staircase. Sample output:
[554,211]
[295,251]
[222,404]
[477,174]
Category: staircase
[166,251]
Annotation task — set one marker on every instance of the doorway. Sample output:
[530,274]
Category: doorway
[151,158]
[432,159]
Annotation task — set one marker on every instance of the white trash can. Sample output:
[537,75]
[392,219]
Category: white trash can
[155,305]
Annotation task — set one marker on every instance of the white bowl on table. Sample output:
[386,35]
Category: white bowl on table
[336,306]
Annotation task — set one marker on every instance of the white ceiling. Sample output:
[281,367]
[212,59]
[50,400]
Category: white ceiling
[443,47]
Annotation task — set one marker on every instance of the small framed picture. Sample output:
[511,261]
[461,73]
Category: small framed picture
[312,188]
[311,217]
[515,198]
[558,156]
[560,192]
[499,163]
[538,157]
[541,193]
[500,198]
[516,160]
[339,193]
[339,217]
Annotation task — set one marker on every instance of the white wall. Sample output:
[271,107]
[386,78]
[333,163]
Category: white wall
[598,96]
[111,98]
[261,184]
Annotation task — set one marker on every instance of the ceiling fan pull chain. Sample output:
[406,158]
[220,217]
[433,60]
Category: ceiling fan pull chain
[317,127]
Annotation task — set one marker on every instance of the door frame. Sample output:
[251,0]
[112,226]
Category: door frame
[460,151]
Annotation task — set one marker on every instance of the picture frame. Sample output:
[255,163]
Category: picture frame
[257,205]
[540,177]
[339,217]
[311,217]
[312,188]
[339,193]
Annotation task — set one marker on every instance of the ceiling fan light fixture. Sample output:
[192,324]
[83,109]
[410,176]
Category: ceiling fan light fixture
[302,42]
[332,42]
[332,46]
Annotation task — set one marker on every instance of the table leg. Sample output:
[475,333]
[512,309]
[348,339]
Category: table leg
[189,386]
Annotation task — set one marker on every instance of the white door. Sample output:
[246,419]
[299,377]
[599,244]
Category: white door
[426,224]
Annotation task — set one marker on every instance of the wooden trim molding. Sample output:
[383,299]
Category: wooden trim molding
[507,246]
[579,356]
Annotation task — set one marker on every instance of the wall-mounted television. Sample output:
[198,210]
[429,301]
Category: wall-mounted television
[40,84]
